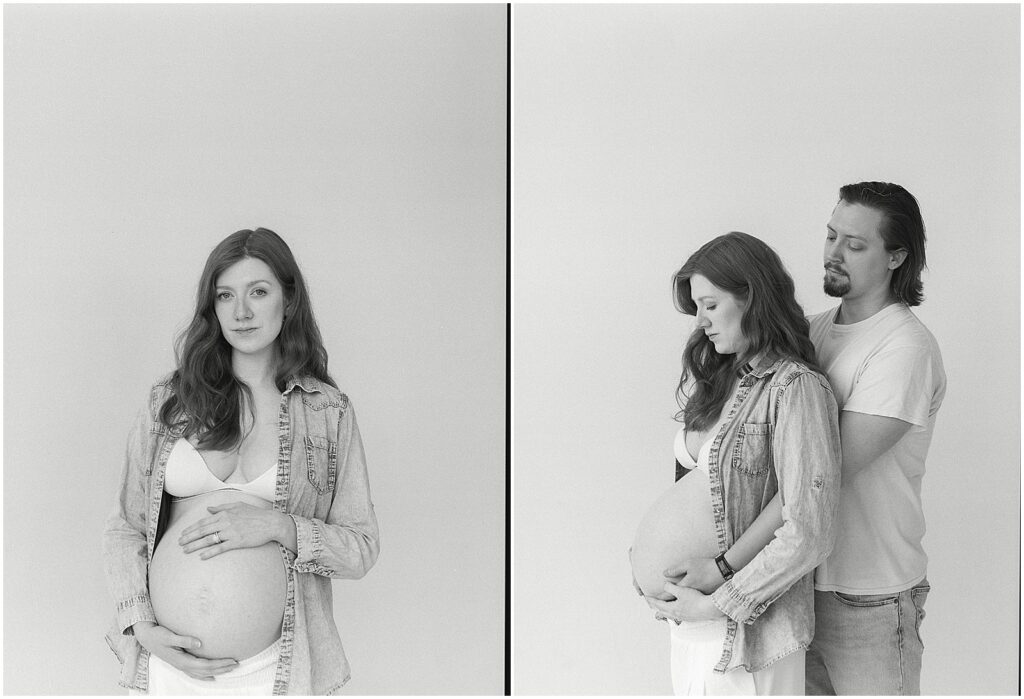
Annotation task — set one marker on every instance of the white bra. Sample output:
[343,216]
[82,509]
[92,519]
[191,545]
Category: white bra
[188,475]
[683,455]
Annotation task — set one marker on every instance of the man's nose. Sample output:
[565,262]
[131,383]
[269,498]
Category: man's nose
[832,251]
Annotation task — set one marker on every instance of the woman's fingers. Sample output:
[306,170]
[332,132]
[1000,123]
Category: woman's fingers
[677,571]
[216,550]
[214,509]
[184,642]
[208,541]
[658,604]
[203,668]
[204,527]
[215,667]
[673,589]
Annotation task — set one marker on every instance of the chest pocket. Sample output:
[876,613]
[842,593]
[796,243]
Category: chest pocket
[751,454]
[321,463]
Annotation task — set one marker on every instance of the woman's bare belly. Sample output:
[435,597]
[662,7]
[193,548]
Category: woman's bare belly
[234,602]
[679,525]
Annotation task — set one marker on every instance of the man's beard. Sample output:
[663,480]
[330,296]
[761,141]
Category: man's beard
[836,284]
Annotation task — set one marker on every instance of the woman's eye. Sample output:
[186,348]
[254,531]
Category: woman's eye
[223,296]
[710,308]
[259,292]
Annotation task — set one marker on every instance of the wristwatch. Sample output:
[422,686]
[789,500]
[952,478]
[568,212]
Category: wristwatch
[723,567]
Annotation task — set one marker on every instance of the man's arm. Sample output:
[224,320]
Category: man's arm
[866,437]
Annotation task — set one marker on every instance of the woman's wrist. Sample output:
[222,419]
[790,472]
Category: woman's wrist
[286,534]
[710,609]
[141,625]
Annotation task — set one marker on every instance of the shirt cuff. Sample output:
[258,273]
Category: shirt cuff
[735,604]
[309,542]
[133,610]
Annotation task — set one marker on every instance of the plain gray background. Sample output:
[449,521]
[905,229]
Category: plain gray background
[372,138]
[642,132]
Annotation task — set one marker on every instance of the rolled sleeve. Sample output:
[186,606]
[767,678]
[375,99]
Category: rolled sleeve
[309,541]
[132,610]
[807,457]
[735,605]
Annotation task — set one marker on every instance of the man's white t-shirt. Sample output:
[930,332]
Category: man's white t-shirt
[888,365]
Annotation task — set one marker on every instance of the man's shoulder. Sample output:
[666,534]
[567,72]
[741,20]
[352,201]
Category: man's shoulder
[902,328]
[824,318]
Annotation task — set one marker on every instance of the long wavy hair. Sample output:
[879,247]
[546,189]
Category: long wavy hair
[207,398]
[772,321]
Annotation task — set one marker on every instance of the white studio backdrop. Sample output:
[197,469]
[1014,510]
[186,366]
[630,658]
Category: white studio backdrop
[641,132]
[372,138]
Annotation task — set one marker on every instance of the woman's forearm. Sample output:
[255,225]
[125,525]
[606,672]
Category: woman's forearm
[757,535]
[286,535]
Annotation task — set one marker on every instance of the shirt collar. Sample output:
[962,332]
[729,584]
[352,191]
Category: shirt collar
[308,384]
[759,366]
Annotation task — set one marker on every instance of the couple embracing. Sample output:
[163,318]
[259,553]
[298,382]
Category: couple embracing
[787,556]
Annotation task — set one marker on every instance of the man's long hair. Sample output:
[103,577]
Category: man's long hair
[772,321]
[207,398]
[903,230]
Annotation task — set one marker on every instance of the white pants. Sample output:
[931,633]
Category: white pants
[697,648]
[252,676]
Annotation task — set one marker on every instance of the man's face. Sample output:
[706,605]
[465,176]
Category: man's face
[856,261]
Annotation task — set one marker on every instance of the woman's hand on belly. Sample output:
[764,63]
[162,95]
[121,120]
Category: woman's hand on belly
[698,573]
[169,647]
[688,605]
[236,525]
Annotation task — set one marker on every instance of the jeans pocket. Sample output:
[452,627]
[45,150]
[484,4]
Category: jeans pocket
[321,463]
[751,453]
[919,595]
[864,600]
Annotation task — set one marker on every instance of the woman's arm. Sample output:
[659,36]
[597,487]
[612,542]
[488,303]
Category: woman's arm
[807,456]
[703,573]
[346,544]
[124,536]
[342,546]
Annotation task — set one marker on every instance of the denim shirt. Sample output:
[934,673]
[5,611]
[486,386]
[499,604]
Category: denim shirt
[781,434]
[321,484]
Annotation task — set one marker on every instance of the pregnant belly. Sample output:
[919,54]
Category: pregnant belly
[234,602]
[679,525]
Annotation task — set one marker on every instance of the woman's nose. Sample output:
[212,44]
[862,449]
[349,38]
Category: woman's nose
[242,311]
[702,320]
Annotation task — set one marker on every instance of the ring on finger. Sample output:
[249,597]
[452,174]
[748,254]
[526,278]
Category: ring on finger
[219,540]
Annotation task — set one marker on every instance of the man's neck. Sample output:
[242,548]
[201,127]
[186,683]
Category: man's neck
[855,310]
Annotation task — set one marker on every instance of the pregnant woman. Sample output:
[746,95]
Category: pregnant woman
[244,490]
[754,516]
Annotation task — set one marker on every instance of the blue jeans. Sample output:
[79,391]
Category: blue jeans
[867,644]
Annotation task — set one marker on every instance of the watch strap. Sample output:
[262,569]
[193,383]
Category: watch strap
[723,567]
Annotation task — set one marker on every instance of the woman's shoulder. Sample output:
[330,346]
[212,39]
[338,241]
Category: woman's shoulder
[162,388]
[791,369]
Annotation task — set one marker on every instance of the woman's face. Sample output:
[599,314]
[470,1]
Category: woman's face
[250,304]
[719,314]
